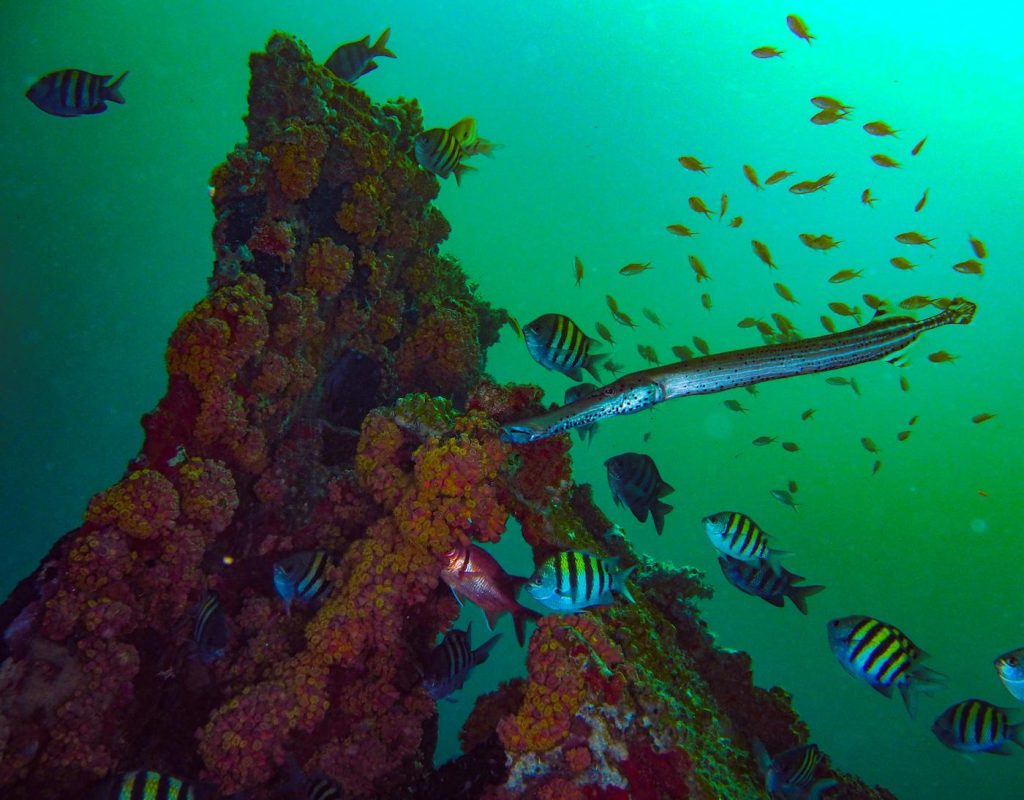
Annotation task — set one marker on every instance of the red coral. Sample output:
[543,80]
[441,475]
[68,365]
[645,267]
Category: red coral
[143,505]
[208,496]
[443,354]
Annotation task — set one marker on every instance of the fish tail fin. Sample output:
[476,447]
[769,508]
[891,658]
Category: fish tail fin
[380,47]
[658,512]
[460,168]
[923,680]
[619,583]
[821,786]
[799,595]
[519,617]
[113,91]
[486,147]
[484,650]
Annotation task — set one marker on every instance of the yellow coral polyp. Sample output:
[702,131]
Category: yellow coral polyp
[328,267]
[142,505]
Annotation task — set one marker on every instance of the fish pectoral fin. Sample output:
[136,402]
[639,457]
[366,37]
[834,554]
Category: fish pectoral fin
[455,594]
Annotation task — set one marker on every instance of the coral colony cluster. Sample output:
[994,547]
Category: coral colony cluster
[329,395]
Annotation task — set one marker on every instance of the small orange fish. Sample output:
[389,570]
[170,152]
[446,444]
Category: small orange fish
[913,420]
[705,300]
[922,201]
[613,367]
[579,270]
[780,175]
[735,222]
[698,205]
[791,447]
[722,206]
[693,164]
[843,310]
[786,328]
[764,328]
[822,242]
[682,352]
[603,332]
[904,383]
[879,128]
[845,275]
[751,174]
[828,115]
[805,187]
[918,146]
[761,441]
[883,160]
[977,419]
[635,268]
[681,230]
[824,101]
[902,436]
[762,252]
[751,389]
[701,345]
[827,323]
[874,302]
[766,52]
[698,267]
[915,302]
[652,317]
[734,405]
[647,353]
[799,28]
[867,199]
[982,493]
[612,303]
[901,263]
[782,291]
[913,237]
[868,445]
[514,324]
[623,318]
[942,357]
[793,488]
[970,267]
[877,466]
[978,247]
[807,414]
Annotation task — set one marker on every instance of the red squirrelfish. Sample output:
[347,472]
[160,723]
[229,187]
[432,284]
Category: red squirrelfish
[473,574]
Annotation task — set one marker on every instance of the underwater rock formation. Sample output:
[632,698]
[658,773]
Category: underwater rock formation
[329,394]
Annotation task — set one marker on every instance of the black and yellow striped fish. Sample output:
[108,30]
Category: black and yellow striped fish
[210,633]
[762,581]
[301,577]
[352,60]
[558,343]
[147,785]
[791,772]
[635,481]
[74,92]
[439,151]
[449,664]
[323,789]
[882,655]
[974,726]
[738,536]
[571,581]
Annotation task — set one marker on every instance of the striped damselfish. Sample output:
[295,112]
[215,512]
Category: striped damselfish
[974,726]
[738,536]
[571,581]
[635,481]
[74,92]
[301,577]
[882,655]
[352,60]
[210,633]
[147,785]
[791,772]
[449,664]
[558,343]
[762,581]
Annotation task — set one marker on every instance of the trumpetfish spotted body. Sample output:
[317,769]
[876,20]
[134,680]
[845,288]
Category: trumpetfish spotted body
[881,337]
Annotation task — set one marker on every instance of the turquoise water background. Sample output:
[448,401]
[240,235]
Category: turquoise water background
[106,227]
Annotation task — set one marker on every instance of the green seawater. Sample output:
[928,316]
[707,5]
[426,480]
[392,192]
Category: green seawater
[106,232]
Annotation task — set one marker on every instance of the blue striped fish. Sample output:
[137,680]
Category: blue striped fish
[762,581]
[301,577]
[974,726]
[438,151]
[147,785]
[210,632]
[323,789]
[738,536]
[449,664]
[635,481]
[557,343]
[791,772]
[882,655]
[74,92]
[571,581]
[354,59]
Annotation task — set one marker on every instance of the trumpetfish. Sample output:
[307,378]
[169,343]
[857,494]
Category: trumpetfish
[878,339]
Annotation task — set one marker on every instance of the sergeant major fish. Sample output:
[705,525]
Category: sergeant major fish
[473,573]
[738,536]
[301,577]
[558,343]
[438,151]
[74,92]
[883,656]
[761,581]
[352,60]
[790,773]
[147,784]
[974,726]
[449,664]
[210,632]
[572,581]
[1010,667]
[636,483]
